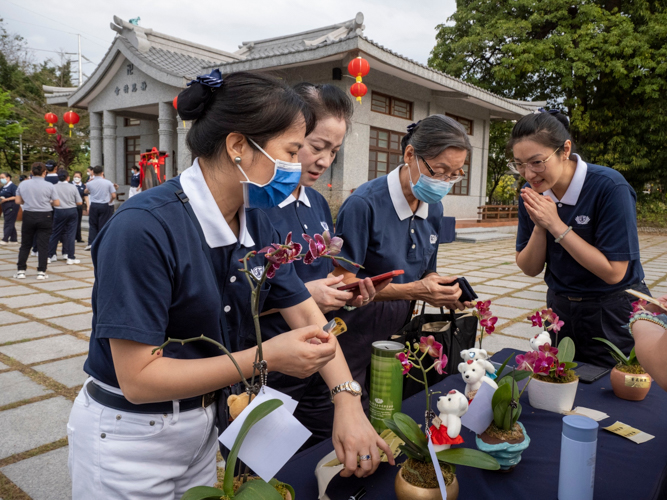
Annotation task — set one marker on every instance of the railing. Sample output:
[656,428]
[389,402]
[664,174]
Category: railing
[498,212]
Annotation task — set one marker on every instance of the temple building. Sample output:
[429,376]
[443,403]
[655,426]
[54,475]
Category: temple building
[129,97]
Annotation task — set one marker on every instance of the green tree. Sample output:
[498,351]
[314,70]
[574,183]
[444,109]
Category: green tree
[9,127]
[604,62]
[497,166]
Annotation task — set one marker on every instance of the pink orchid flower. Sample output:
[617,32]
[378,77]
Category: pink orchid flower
[547,349]
[543,363]
[489,324]
[526,361]
[279,254]
[440,363]
[536,319]
[407,365]
[560,370]
[431,345]
[320,245]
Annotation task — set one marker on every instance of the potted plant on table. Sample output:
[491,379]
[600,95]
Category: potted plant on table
[417,478]
[554,383]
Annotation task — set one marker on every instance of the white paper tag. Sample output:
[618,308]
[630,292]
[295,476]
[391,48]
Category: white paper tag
[436,465]
[273,440]
[587,412]
[480,412]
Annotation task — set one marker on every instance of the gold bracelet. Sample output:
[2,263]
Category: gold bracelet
[646,317]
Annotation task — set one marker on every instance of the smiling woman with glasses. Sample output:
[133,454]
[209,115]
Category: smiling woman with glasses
[578,223]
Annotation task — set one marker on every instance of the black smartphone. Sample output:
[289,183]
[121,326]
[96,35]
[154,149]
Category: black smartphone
[467,293]
[590,373]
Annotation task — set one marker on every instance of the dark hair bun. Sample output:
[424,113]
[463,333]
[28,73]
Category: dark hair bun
[192,101]
[563,120]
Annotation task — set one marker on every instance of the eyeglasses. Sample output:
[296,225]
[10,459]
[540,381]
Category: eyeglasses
[444,177]
[537,166]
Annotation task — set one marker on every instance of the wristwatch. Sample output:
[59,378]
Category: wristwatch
[351,386]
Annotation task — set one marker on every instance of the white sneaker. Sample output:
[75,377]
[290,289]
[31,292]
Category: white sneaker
[72,261]
[13,242]
[41,275]
[34,254]
[87,249]
[64,257]
[20,275]
[54,258]
[3,242]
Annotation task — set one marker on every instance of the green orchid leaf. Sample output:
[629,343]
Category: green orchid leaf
[257,490]
[203,493]
[275,483]
[516,414]
[410,429]
[410,452]
[503,393]
[521,374]
[469,458]
[632,359]
[413,448]
[615,352]
[502,367]
[565,350]
[257,414]
[499,415]
[570,364]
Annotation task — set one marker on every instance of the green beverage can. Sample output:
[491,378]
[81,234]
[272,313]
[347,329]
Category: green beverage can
[386,391]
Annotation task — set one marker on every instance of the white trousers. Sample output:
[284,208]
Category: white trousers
[133,191]
[122,455]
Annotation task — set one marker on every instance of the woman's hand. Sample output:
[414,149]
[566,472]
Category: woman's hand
[437,291]
[300,352]
[367,292]
[542,210]
[326,296]
[354,436]
[655,309]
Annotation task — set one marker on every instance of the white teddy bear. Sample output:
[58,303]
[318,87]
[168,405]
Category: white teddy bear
[539,340]
[452,407]
[474,374]
[475,354]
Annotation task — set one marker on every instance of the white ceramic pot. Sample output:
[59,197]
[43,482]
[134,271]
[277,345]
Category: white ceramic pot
[550,396]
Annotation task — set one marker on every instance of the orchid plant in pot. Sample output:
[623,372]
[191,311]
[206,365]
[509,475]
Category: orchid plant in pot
[417,477]
[554,384]
[276,255]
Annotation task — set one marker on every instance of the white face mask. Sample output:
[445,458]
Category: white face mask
[77,180]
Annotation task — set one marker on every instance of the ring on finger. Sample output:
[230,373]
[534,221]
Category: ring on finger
[366,300]
[364,457]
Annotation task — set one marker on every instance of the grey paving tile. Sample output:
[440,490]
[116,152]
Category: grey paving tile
[75,323]
[483,274]
[14,386]
[521,303]
[507,283]
[497,342]
[33,425]
[35,299]
[61,285]
[528,294]
[68,372]
[9,289]
[82,274]
[79,293]
[44,477]
[508,312]
[525,279]
[525,330]
[23,331]
[3,366]
[55,310]
[495,290]
[539,288]
[7,318]
[45,349]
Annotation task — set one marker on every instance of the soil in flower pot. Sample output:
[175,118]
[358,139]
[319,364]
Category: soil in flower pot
[494,435]
[417,481]
[630,382]
[280,488]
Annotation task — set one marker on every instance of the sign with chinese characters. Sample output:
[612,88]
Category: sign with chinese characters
[636,381]
[130,87]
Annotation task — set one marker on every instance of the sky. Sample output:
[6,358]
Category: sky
[51,26]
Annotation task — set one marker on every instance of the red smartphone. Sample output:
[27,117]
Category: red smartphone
[375,279]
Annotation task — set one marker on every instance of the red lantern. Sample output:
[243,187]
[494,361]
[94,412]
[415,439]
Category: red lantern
[175,103]
[358,67]
[72,119]
[51,130]
[358,90]
[51,118]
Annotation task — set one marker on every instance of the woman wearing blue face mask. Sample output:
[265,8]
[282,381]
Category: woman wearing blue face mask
[167,266]
[393,223]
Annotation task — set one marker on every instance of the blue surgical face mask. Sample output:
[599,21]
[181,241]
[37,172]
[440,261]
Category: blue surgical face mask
[428,189]
[3,181]
[286,177]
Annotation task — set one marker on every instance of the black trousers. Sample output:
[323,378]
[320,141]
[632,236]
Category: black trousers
[100,213]
[603,317]
[64,229]
[79,215]
[36,226]
[10,211]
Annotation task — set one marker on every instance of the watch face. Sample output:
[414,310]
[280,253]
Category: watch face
[355,386]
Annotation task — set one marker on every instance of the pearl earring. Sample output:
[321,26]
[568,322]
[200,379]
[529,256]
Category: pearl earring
[238,160]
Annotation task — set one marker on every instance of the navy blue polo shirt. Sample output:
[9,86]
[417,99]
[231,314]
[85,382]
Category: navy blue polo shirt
[52,178]
[82,188]
[380,231]
[600,206]
[8,191]
[134,181]
[309,214]
[153,281]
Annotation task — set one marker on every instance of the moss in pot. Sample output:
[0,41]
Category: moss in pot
[628,378]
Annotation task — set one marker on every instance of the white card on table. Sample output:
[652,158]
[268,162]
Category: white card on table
[272,441]
[480,413]
[436,465]
[588,412]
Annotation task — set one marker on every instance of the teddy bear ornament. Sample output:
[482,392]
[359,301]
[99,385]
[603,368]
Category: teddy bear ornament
[446,428]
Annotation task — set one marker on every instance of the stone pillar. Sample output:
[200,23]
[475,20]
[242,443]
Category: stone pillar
[183,153]
[166,134]
[110,146]
[95,139]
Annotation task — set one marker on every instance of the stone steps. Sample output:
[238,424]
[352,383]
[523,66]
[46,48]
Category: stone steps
[481,234]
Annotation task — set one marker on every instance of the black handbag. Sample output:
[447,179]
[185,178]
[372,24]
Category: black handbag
[455,331]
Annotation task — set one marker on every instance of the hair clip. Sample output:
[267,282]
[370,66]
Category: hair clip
[213,80]
[550,111]
[412,126]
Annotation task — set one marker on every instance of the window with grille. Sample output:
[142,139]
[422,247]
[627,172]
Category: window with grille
[132,122]
[384,152]
[387,105]
[132,156]
[461,187]
[466,122]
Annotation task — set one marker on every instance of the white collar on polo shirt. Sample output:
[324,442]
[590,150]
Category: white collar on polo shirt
[401,205]
[571,196]
[216,230]
[303,198]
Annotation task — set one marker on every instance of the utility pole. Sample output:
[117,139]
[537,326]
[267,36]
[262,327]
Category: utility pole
[80,66]
[21,151]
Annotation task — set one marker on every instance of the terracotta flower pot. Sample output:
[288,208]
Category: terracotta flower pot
[507,453]
[552,396]
[407,491]
[630,386]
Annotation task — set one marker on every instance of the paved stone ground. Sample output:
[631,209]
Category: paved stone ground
[45,327]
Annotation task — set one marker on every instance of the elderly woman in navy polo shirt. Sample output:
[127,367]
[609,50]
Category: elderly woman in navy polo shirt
[393,223]
[579,222]
[167,265]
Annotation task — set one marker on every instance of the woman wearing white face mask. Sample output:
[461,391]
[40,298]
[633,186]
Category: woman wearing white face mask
[76,180]
[393,223]
[9,208]
[143,425]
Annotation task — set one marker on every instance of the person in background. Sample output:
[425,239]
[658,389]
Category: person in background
[22,178]
[64,218]
[81,187]
[38,198]
[9,208]
[101,195]
[650,333]
[51,174]
[135,181]
[90,174]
